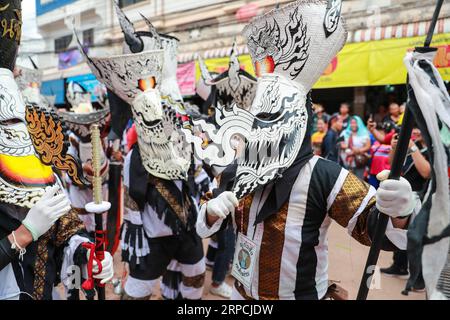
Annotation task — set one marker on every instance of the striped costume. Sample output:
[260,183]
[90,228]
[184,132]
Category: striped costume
[292,244]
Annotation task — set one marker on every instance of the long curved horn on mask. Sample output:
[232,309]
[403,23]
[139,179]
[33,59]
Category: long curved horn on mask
[152,30]
[234,50]
[234,61]
[33,63]
[133,41]
[84,54]
[204,69]
[81,87]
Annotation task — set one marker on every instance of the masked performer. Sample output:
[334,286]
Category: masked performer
[79,122]
[239,87]
[40,236]
[157,195]
[288,196]
[29,82]
[171,100]
[233,86]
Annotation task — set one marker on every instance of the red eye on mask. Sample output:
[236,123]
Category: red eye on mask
[265,66]
[146,84]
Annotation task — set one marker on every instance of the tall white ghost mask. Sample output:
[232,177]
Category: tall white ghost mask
[290,50]
[136,79]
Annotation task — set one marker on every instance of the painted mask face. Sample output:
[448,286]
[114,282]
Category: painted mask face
[28,78]
[158,137]
[23,177]
[272,131]
[29,82]
[276,135]
[79,121]
[290,50]
[82,115]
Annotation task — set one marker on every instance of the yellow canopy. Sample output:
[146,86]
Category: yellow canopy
[372,63]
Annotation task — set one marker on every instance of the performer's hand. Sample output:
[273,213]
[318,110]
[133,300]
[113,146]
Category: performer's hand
[117,156]
[223,205]
[46,212]
[107,270]
[394,141]
[87,168]
[394,197]
[17,72]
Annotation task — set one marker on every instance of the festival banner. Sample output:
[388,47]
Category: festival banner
[377,63]
[219,65]
[372,63]
[69,59]
[186,78]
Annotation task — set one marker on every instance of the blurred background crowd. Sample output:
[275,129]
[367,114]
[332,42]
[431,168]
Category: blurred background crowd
[366,147]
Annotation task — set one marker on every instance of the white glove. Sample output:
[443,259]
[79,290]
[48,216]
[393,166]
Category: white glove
[46,212]
[223,205]
[107,268]
[394,197]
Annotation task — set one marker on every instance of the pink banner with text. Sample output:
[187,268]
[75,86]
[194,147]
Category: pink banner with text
[186,78]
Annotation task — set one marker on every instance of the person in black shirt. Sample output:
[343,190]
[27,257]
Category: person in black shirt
[417,171]
[345,110]
[393,119]
[330,148]
[417,168]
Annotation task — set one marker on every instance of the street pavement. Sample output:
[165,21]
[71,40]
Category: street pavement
[346,262]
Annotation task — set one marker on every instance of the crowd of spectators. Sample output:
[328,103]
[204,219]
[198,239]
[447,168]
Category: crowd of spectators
[366,149]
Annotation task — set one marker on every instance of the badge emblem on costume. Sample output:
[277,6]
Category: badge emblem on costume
[244,260]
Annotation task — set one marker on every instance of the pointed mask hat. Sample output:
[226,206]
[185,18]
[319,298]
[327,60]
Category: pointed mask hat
[139,41]
[234,85]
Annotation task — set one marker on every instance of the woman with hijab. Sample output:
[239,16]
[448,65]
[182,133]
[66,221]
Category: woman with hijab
[355,146]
